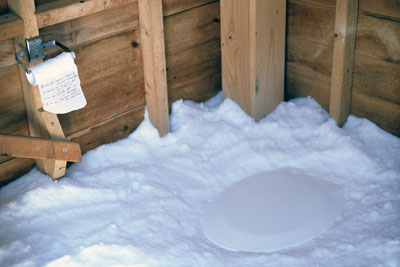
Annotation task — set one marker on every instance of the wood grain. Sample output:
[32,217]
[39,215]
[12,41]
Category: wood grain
[39,126]
[205,61]
[268,59]
[171,7]
[298,85]
[10,26]
[154,66]
[385,8]
[14,168]
[385,114]
[377,78]
[65,10]
[108,119]
[308,58]
[7,54]
[12,107]
[109,130]
[343,60]
[105,98]
[311,22]
[192,28]
[327,3]
[378,38]
[99,60]
[192,44]
[94,27]
[39,148]
[236,49]
[253,54]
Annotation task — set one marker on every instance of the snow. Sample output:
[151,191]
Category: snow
[140,201]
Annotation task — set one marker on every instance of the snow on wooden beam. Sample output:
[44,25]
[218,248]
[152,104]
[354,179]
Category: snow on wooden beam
[38,148]
[154,65]
[253,53]
[343,60]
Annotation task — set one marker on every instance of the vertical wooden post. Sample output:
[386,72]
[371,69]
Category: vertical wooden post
[153,52]
[343,59]
[41,124]
[253,53]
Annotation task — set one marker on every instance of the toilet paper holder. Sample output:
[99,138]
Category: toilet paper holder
[35,50]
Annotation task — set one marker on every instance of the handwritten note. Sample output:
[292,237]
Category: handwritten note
[59,84]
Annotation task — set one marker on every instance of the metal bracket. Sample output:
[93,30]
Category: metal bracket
[35,50]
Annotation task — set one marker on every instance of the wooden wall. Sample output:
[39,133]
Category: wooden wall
[376,78]
[108,49]
[109,60]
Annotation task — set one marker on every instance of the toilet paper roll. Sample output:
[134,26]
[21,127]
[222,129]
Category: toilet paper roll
[59,84]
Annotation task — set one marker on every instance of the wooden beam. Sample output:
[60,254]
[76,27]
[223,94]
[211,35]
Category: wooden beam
[14,168]
[154,66]
[10,26]
[41,124]
[343,59]
[253,53]
[65,10]
[38,148]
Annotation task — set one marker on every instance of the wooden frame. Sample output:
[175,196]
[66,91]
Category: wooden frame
[41,124]
[24,22]
[153,52]
[343,60]
[253,53]
[39,148]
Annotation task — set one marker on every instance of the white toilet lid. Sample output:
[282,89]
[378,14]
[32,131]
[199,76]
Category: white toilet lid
[272,210]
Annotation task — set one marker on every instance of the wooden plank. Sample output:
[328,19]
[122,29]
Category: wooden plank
[7,53]
[39,148]
[378,38]
[154,66]
[327,3]
[298,85]
[198,91]
[312,22]
[385,114]
[14,168]
[235,50]
[109,130]
[114,94]
[193,34]
[65,10]
[205,62]
[253,42]
[99,60]
[113,21]
[12,108]
[377,78]
[39,126]
[343,60]
[94,27]
[192,28]
[268,36]
[309,58]
[386,8]
[171,7]
[10,26]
